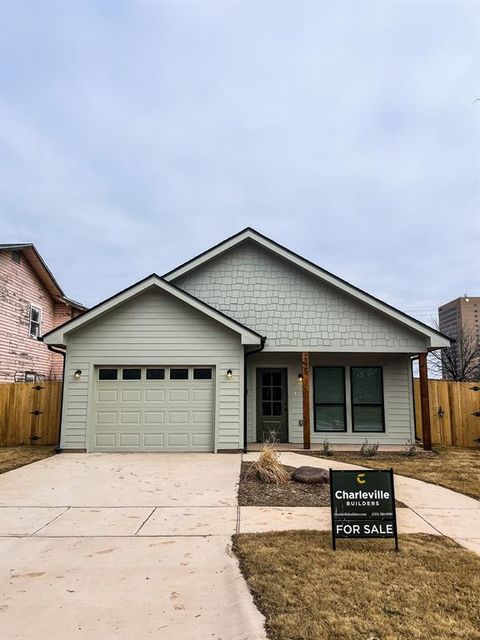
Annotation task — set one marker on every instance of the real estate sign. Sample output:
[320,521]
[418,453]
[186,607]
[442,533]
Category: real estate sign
[363,504]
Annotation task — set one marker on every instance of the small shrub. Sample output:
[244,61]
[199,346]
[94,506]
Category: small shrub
[326,448]
[268,467]
[369,449]
[410,450]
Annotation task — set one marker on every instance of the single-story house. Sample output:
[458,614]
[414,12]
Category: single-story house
[245,340]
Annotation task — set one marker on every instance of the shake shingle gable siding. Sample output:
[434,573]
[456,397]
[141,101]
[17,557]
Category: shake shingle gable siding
[295,310]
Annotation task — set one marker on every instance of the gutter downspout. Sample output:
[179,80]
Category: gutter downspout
[263,339]
[63,353]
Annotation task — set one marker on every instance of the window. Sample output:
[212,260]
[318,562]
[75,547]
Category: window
[367,399]
[16,257]
[155,374]
[178,374]
[202,374]
[107,374]
[131,374]
[35,321]
[329,398]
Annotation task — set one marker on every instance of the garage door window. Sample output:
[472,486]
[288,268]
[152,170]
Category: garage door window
[132,374]
[178,374]
[155,374]
[202,374]
[107,374]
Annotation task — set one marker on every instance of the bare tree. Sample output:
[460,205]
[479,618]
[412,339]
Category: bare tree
[461,361]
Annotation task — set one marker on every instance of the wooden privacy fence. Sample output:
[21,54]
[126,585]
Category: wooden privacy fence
[452,405]
[30,413]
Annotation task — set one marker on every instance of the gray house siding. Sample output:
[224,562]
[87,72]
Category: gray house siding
[294,309]
[398,400]
[153,329]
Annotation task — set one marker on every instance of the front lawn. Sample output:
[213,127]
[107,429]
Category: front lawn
[430,590]
[450,467]
[14,457]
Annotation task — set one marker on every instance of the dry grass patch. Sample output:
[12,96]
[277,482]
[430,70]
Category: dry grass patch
[451,467]
[14,457]
[364,590]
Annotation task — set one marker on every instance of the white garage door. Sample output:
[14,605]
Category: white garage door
[154,409]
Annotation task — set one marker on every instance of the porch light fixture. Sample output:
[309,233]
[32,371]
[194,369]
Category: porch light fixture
[229,373]
[77,374]
[300,377]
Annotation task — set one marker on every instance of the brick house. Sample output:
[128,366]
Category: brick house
[31,303]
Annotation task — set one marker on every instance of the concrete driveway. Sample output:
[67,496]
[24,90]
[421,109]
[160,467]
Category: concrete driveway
[121,546]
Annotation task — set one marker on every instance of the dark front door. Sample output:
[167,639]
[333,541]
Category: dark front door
[272,405]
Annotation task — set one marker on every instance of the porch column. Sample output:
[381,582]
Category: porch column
[425,401]
[306,398]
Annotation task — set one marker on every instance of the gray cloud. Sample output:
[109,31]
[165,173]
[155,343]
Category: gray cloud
[136,135]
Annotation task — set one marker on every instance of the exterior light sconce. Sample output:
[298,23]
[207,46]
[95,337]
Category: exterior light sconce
[229,373]
[300,377]
[77,374]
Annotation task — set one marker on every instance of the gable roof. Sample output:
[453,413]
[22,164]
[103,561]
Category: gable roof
[44,274]
[57,336]
[437,339]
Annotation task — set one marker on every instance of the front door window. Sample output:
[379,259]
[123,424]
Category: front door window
[272,408]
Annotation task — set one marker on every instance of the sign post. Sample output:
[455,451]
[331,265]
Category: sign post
[362,504]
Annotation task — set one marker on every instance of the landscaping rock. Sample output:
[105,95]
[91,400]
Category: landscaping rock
[310,475]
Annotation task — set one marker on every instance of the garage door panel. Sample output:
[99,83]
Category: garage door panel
[106,417]
[107,395]
[154,395]
[131,395]
[130,417]
[154,417]
[159,414]
[129,440]
[178,395]
[154,440]
[105,440]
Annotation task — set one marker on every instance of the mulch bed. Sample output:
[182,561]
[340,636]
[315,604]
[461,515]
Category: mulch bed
[355,456]
[253,492]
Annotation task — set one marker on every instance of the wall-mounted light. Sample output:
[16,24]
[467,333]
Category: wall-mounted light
[77,374]
[229,373]
[300,377]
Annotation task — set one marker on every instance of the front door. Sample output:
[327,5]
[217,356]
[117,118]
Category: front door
[272,405]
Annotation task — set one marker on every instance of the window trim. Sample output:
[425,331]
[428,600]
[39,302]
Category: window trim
[330,404]
[367,404]
[40,318]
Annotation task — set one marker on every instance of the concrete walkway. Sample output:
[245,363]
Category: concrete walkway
[122,546]
[431,509]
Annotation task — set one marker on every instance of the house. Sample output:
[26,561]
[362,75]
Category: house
[31,303]
[246,339]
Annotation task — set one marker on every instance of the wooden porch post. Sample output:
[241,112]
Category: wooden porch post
[425,402]
[306,398]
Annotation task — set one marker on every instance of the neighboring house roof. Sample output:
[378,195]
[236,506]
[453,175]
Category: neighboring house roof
[438,339]
[43,272]
[56,336]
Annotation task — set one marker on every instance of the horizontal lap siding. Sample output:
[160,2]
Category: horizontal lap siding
[397,396]
[154,329]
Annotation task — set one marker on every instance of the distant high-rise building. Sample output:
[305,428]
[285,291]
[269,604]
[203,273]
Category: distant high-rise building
[460,314]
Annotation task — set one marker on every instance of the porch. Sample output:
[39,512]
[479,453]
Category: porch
[344,398]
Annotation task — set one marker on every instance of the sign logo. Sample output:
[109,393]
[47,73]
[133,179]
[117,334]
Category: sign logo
[363,504]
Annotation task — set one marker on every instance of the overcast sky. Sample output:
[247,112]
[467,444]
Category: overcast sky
[136,135]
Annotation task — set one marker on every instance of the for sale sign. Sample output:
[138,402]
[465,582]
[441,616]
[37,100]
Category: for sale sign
[363,504]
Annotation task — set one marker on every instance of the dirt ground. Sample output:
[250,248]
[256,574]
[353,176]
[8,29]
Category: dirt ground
[252,492]
[14,457]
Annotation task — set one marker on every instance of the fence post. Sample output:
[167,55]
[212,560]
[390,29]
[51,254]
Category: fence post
[425,402]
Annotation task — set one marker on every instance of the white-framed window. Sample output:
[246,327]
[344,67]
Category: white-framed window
[35,320]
